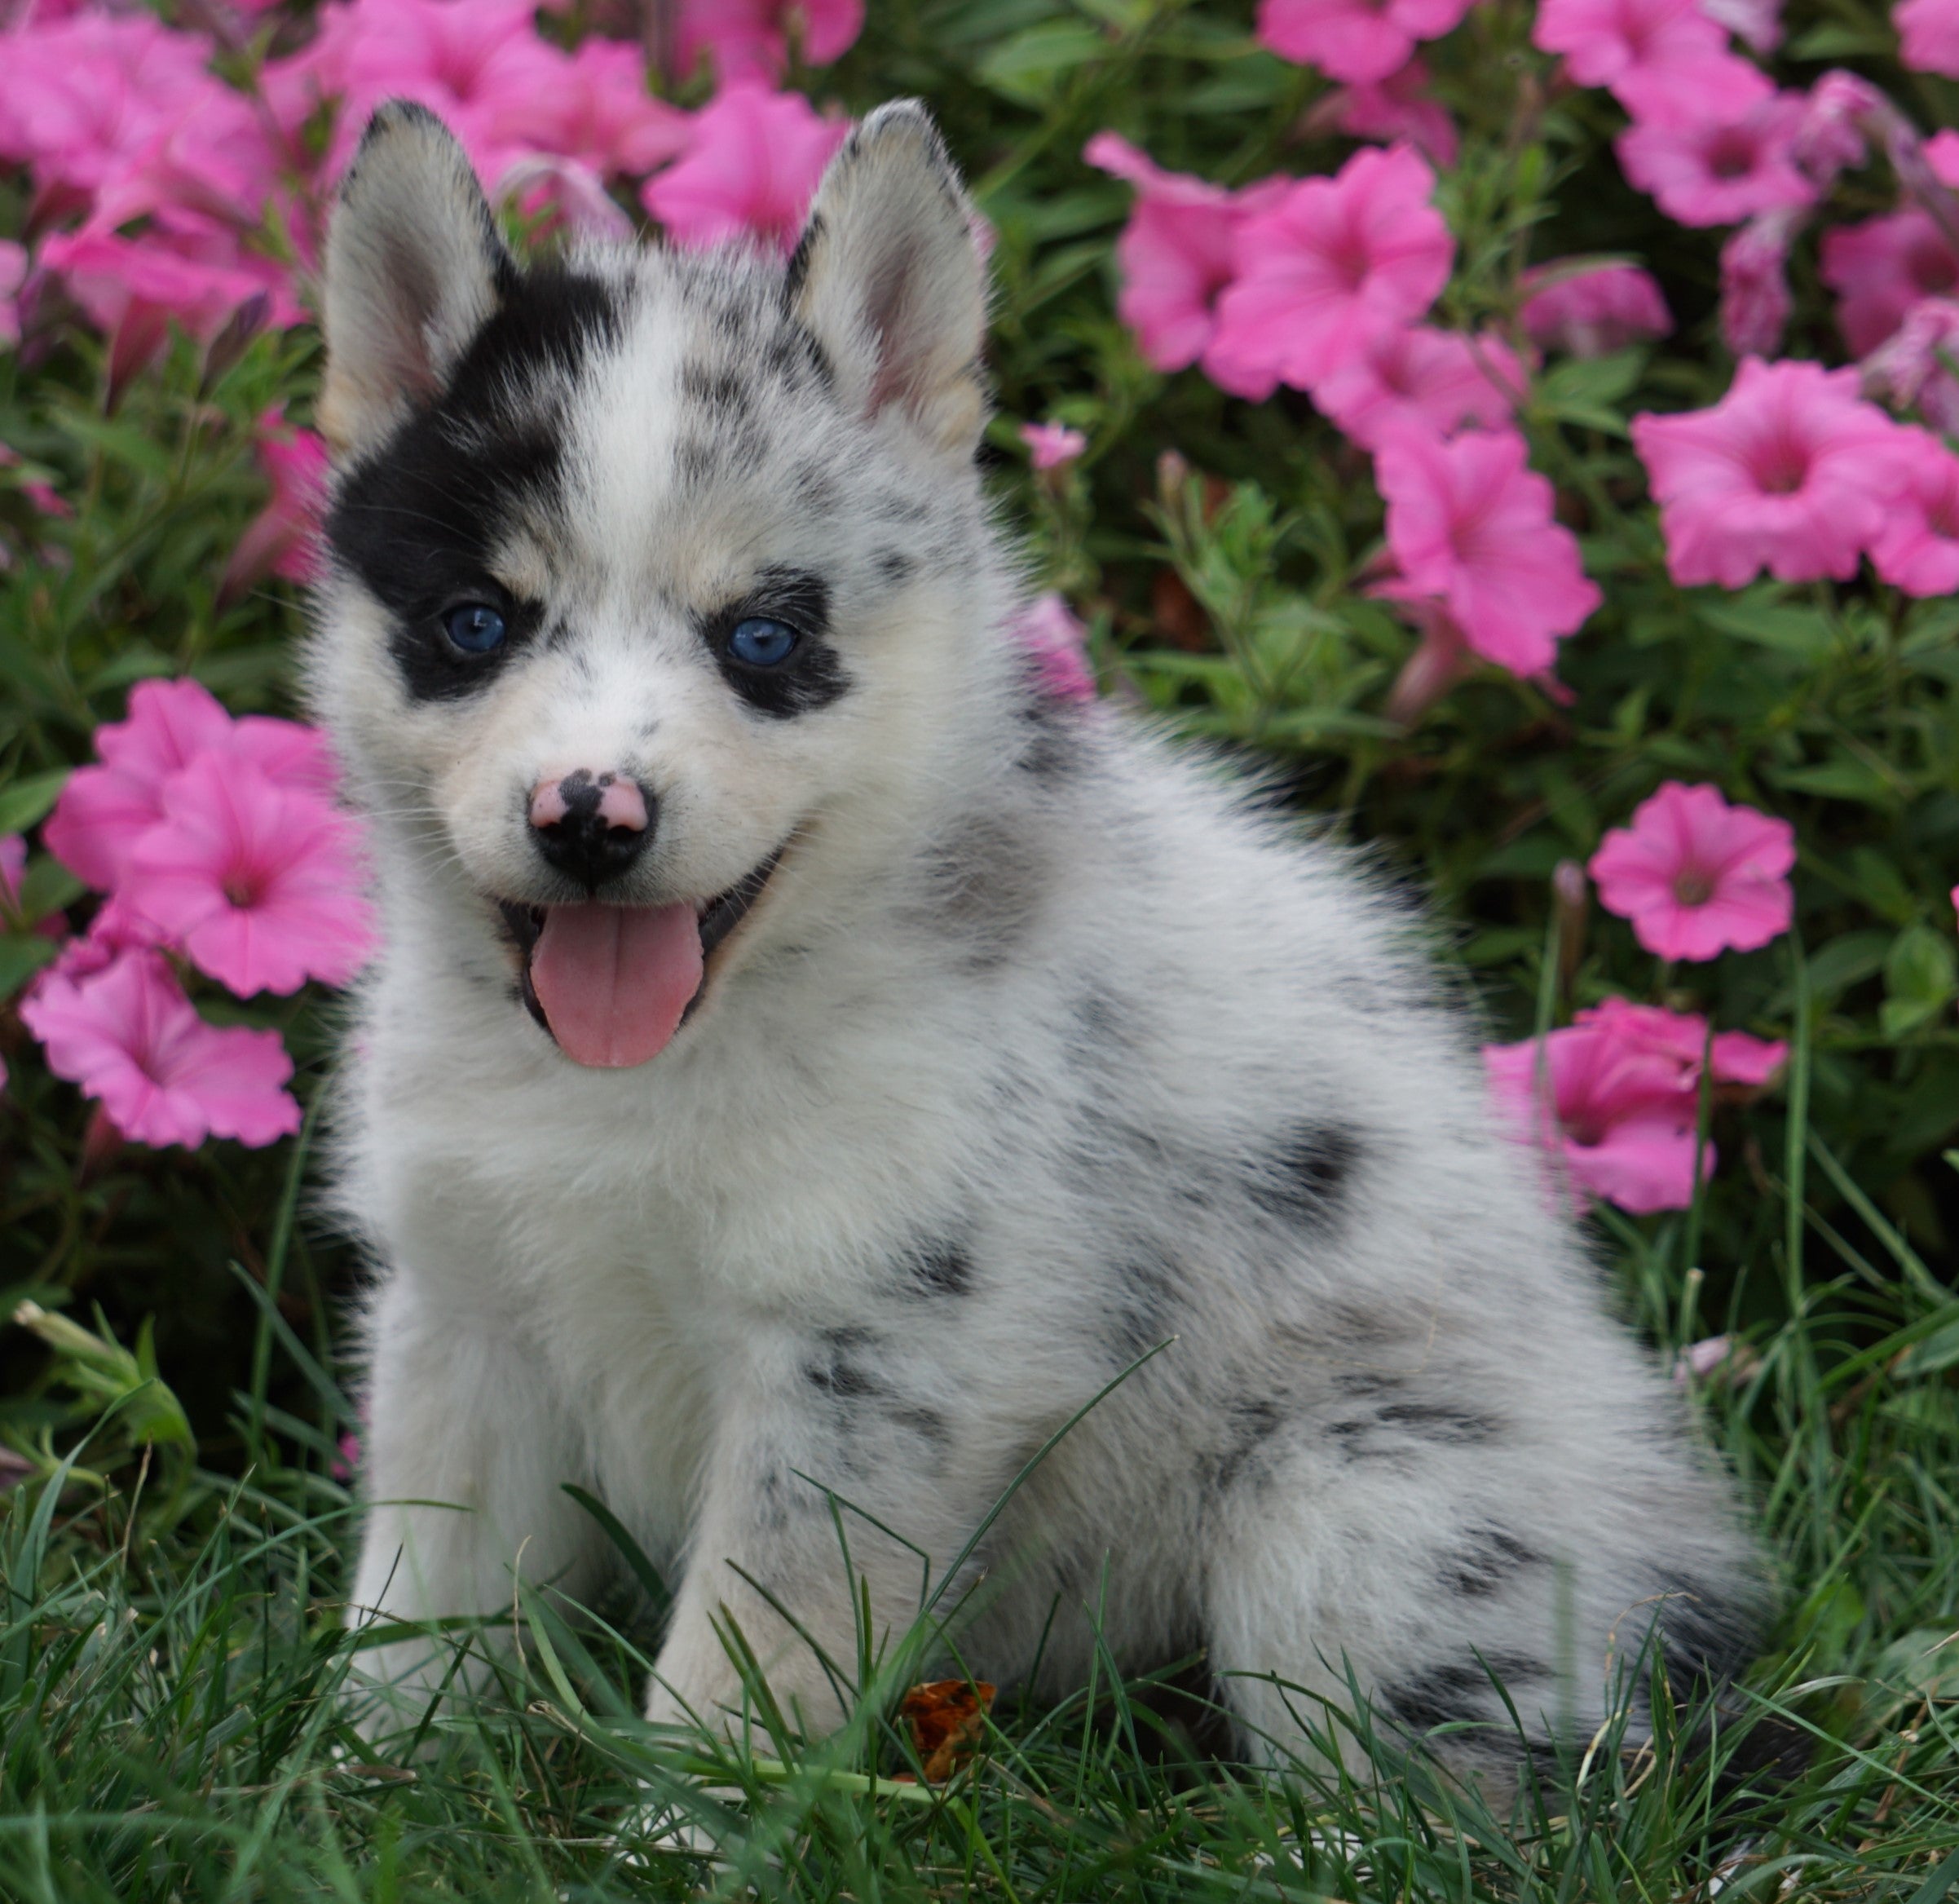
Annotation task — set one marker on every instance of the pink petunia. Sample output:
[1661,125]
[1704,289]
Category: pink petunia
[1928,35]
[1359,41]
[1396,110]
[749,39]
[1881,268]
[104,810]
[1697,877]
[129,1037]
[1617,1119]
[1176,259]
[282,539]
[1718,171]
[598,111]
[1616,1097]
[1331,264]
[1756,22]
[1916,549]
[1421,378]
[751,168]
[1049,445]
[1592,310]
[1057,643]
[259,883]
[1790,472]
[1912,367]
[1664,60]
[1755,298]
[1470,524]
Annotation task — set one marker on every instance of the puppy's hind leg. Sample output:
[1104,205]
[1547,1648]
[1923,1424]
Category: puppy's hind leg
[463,1457]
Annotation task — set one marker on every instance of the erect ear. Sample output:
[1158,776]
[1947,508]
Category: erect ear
[888,277]
[414,262]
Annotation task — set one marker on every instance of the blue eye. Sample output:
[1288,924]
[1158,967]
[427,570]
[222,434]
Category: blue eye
[475,627]
[759,643]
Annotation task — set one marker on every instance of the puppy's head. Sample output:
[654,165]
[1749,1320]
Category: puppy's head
[643,562]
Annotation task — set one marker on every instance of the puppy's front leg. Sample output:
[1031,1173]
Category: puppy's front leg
[803,1412]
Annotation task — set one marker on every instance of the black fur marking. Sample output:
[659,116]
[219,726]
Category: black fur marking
[813,675]
[798,268]
[1302,1183]
[940,1269]
[1254,1423]
[1486,1563]
[719,391]
[1146,1296]
[419,521]
[894,568]
[1457,1695]
[984,888]
[695,459]
[1056,736]
[835,1371]
[1374,1437]
[1705,1639]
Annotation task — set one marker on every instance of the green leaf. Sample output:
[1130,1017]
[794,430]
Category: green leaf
[22,954]
[1848,960]
[48,886]
[1921,979]
[1588,390]
[1845,778]
[1030,67]
[1841,40]
[27,801]
[1792,629]
[1932,1355]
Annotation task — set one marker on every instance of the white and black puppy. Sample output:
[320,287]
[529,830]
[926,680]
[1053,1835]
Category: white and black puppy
[804,1056]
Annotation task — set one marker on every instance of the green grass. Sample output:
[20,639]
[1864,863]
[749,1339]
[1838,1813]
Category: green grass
[172,1652]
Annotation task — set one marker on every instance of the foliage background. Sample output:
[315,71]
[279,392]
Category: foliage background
[1230,600]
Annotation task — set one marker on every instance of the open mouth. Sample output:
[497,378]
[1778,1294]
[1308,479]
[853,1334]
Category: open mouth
[612,984]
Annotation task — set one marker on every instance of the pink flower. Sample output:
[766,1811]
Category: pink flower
[1928,35]
[753,166]
[1623,1097]
[1881,268]
[1398,107]
[1790,471]
[1592,310]
[258,883]
[1175,257]
[1911,369]
[130,1039]
[1617,1119]
[1469,524]
[1051,444]
[280,540]
[598,111]
[1719,170]
[1334,262]
[1696,876]
[749,39]
[104,810]
[1359,41]
[1057,643]
[1755,300]
[1756,22]
[1417,377]
[1916,549]
[191,273]
[1664,59]
[1942,156]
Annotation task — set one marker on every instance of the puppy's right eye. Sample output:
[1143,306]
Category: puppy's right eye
[475,627]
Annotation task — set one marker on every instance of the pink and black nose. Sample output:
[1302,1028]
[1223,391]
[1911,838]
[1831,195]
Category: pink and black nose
[591,827]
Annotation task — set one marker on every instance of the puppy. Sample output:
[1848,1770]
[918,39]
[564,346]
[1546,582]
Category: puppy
[809,1063]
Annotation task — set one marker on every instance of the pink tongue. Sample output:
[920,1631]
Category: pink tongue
[613,980]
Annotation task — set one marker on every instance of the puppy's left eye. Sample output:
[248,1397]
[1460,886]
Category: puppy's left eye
[759,643]
[475,627]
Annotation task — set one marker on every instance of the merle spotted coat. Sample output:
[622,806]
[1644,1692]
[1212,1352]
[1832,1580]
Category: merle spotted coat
[1026,1044]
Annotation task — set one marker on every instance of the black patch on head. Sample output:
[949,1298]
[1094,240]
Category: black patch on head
[1486,1563]
[894,568]
[813,676]
[941,1268]
[1303,1181]
[720,390]
[1384,1433]
[798,267]
[1053,746]
[836,1370]
[1459,1694]
[1145,1298]
[418,521]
